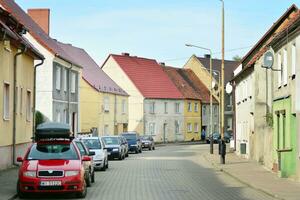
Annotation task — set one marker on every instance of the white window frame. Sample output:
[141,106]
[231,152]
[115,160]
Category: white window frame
[189,106]
[29,105]
[123,106]
[65,79]
[196,127]
[294,58]
[177,107]
[166,107]
[152,107]
[196,107]
[189,127]
[152,128]
[285,68]
[6,101]
[106,104]
[73,82]
[279,74]
[177,127]
[58,77]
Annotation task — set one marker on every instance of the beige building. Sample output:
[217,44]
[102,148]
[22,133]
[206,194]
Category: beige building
[17,91]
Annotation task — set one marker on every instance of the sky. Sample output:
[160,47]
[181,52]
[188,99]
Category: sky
[160,29]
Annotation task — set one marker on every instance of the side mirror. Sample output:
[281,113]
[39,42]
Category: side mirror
[19,159]
[91,153]
[86,158]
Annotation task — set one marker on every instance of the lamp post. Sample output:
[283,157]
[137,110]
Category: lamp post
[218,73]
[223,145]
[211,78]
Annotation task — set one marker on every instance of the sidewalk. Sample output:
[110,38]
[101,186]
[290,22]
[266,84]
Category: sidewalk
[256,176]
[8,182]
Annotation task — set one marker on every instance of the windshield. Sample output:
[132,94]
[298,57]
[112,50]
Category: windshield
[111,140]
[52,152]
[92,143]
[129,136]
[145,137]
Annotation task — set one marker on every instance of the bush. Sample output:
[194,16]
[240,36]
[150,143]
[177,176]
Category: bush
[39,118]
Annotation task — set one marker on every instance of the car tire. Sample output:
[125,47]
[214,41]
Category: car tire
[153,148]
[93,177]
[140,150]
[120,157]
[20,194]
[127,154]
[136,151]
[89,180]
[82,194]
[104,167]
[150,148]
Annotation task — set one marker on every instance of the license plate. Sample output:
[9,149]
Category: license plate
[108,153]
[50,183]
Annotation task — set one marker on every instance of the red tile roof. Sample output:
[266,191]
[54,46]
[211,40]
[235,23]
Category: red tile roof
[35,30]
[148,76]
[181,81]
[91,72]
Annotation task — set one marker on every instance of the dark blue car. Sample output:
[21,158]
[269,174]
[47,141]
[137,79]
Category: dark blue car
[134,141]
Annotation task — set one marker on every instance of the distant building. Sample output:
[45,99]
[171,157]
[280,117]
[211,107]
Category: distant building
[57,90]
[17,92]
[103,104]
[155,105]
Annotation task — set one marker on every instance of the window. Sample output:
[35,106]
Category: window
[279,78]
[152,107]
[58,78]
[6,99]
[81,149]
[189,106]
[176,127]
[28,106]
[166,107]
[152,128]
[196,127]
[65,79]
[21,100]
[177,107]
[58,117]
[285,68]
[106,104]
[189,127]
[65,116]
[73,82]
[196,107]
[294,55]
[123,106]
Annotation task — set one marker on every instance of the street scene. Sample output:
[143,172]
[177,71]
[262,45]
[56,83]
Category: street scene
[149,100]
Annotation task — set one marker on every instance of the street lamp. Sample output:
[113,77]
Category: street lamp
[211,78]
[218,73]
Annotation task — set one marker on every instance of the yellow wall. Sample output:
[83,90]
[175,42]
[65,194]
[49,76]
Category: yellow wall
[192,117]
[201,72]
[92,114]
[25,80]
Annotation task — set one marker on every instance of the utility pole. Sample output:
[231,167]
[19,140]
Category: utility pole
[223,145]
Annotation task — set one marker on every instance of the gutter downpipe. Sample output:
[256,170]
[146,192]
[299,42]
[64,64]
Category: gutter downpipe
[34,96]
[15,104]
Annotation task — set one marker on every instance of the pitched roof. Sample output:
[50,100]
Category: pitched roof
[180,79]
[35,30]
[148,76]
[91,72]
[229,66]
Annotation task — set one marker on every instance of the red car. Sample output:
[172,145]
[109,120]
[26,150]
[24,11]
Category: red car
[53,163]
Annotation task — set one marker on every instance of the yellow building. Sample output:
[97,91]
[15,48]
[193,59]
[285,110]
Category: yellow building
[17,90]
[182,79]
[103,105]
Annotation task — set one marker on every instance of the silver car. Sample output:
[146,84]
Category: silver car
[114,147]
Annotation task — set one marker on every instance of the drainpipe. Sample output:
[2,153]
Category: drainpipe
[15,104]
[34,96]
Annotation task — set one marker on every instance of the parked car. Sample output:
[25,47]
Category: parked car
[88,165]
[134,141]
[53,163]
[114,147]
[125,144]
[95,144]
[148,142]
[215,136]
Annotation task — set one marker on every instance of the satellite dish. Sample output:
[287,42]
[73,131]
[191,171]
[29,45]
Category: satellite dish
[228,88]
[268,60]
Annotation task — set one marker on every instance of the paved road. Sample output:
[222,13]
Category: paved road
[168,173]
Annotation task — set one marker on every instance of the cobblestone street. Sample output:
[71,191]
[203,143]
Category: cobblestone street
[168,173]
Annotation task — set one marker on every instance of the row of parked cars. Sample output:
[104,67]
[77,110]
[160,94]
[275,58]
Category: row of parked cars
[56,162]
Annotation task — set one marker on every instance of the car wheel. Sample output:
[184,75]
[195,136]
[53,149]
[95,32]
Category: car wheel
[150,148]
[136,151]
[120,157]
[126,154]
[141,150]
[83,193]
[93,177]
[89,180]
[104,167]
[21,194]
[153,147]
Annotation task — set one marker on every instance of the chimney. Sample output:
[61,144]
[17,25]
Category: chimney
[125,54]
[206,55]
[162,64]
[41,16]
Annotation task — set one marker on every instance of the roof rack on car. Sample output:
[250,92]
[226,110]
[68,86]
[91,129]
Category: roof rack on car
[53,131]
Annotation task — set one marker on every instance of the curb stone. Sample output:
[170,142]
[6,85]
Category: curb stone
[216,167]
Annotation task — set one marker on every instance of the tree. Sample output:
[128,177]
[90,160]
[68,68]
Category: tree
[237,58]
[39,118]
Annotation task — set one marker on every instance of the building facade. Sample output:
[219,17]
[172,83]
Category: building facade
[149,88]
[17,92]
